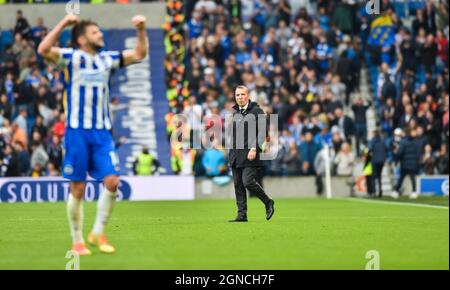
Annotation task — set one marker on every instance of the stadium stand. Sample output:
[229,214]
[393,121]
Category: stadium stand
[306,65]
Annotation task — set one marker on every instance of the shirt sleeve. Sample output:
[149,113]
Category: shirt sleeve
[65,56]
[116,58]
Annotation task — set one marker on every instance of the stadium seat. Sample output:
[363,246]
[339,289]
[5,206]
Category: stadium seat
[414,5]
[7,37]
[400,8]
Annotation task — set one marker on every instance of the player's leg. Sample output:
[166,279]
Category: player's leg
[378,175]
[412,176]
[396,192]
[251,177]
[106,203]
[75,215]
[105,206]
[241,194]
[104,166]
[74,169]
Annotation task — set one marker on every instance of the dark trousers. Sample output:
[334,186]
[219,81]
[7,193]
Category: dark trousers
[247,179]
[361,137]
[319,184]
[259,179]
[370,185]
[403,173]
[377,176]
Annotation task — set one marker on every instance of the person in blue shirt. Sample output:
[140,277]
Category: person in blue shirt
[38,32]
[324,54]
[324,137]
[242,56]
[9,88]
[214,161]
[224,41]
[324,19]
[308,151]
[259,14]
[34,78]
[195,26]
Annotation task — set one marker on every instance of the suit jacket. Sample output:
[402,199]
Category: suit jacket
[239,135]
[409,154]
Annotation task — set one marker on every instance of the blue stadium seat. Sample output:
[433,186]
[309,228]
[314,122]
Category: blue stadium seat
[416,4]
[6,38]
[400,8]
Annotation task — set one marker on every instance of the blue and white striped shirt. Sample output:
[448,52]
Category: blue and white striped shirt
[87,87]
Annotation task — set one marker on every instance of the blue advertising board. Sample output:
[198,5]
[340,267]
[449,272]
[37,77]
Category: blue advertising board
[134,188]
[140,90]
[436,185]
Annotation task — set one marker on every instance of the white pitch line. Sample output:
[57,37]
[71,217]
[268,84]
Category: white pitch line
[399,203]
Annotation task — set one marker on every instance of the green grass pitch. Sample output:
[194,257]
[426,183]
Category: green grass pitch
[304,234]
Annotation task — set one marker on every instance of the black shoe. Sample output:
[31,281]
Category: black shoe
[270,209]
[239,219]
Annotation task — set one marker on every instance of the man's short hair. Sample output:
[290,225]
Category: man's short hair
[80,29]
[242,87]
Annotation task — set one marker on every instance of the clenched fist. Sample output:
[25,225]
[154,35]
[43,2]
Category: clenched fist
[70,19]
[139,21]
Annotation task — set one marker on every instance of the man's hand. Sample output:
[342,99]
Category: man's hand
[139,21]
[251,155]
[69,20]
[141,49]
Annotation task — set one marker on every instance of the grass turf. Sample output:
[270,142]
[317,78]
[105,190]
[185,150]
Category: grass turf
[304,234]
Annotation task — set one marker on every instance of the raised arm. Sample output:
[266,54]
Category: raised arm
[46,47]
[140,51]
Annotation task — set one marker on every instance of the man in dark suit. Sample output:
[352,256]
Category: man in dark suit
[246,147]
[408,155]
[345,123]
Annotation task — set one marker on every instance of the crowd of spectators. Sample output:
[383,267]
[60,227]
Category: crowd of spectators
[32,120]
[305,66]
[302,64]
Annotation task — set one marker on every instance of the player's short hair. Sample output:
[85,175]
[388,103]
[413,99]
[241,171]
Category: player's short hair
[80,29]
[242,87]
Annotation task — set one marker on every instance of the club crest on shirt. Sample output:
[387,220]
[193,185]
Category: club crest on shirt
[68,169]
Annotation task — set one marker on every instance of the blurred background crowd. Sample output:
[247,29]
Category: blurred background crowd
[373,87]
[305,65]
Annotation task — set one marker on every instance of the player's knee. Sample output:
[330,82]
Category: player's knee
[77,189]
[112,183]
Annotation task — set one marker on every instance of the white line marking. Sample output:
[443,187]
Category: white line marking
[399,203]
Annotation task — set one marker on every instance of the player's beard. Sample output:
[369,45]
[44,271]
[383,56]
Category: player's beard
[97,46]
